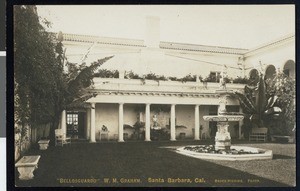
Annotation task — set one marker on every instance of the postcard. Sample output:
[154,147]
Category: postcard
[154,95]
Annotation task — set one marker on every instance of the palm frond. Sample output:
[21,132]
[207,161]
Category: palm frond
[85,76]
[80,102]
[271,101]
[261,97]
[246,103]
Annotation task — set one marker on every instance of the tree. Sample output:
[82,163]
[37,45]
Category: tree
[42,88]
[284,88]
[35,70]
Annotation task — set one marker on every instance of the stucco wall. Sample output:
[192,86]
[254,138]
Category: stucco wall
[106,114]
[177,63]
[276,56]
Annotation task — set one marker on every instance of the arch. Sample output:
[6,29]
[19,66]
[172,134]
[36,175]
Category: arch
[289,68]
[270,72]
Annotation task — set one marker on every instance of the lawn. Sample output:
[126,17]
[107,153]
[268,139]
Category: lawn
[144,164]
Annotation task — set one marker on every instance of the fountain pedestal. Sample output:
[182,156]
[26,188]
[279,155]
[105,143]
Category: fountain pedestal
[223,139]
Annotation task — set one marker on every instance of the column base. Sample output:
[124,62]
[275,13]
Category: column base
[172,139]
[120,141]
[92,141]
[147,140]
[196,139]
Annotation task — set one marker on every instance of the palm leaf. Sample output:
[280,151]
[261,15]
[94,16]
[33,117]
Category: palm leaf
[261,100]
[81,101]
[271,101]
[85,76]
[246,103]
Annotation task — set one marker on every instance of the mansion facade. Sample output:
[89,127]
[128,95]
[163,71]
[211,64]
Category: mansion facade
[136,109]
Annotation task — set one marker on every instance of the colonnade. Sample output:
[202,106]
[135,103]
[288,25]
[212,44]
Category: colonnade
[92,114]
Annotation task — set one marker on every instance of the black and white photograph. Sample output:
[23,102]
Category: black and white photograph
[154,95]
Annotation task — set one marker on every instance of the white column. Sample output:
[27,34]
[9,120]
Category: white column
[172,125]
[240,125]
[93,128]
[147,123]
[197,123]
[63,122]
[88,123]
[121,139]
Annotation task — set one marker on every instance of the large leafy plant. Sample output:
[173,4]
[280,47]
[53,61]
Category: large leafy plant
[258,106]
[284,87]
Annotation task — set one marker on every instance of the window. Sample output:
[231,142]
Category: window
[215,76]
[72,124]
[72,118]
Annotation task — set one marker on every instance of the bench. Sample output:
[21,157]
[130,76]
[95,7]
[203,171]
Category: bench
[26,165]
[258,134]
[280,138]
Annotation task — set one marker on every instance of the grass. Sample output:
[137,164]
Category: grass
[281,169]
[139,161]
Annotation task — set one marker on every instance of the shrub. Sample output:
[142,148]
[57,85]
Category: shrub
[104,73]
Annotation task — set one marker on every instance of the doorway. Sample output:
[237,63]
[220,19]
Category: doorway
[75,124]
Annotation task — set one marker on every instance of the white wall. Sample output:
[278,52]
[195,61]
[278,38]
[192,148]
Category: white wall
[276,55]
[185,116]
[3,163]
[108,115]
[177,63]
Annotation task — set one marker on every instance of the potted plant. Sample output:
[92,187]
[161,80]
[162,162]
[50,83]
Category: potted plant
[139,132]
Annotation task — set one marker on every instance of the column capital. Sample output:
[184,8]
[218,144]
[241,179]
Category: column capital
[148,103]
[93,105]
[121,103]
[197,105]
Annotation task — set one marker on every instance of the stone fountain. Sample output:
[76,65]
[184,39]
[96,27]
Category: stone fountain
[222,150]
[223,139]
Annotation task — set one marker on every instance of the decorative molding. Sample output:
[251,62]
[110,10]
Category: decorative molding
[141,43]
[174,94]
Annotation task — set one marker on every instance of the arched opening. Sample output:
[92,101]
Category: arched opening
[253,77]
[270,72]
[289,68]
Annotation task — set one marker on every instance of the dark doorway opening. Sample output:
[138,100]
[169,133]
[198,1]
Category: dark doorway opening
[75,124]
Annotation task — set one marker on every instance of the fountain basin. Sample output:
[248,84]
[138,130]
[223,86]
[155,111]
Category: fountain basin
[255,153]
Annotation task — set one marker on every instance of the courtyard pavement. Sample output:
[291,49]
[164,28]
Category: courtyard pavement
[149,164]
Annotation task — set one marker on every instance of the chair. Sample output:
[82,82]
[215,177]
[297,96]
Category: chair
[61,138]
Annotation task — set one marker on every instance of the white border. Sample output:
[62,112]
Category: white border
[2,53]
[3,164]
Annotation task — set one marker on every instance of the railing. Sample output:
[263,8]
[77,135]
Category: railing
[116,84]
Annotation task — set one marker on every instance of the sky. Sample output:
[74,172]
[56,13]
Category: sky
[239,26]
